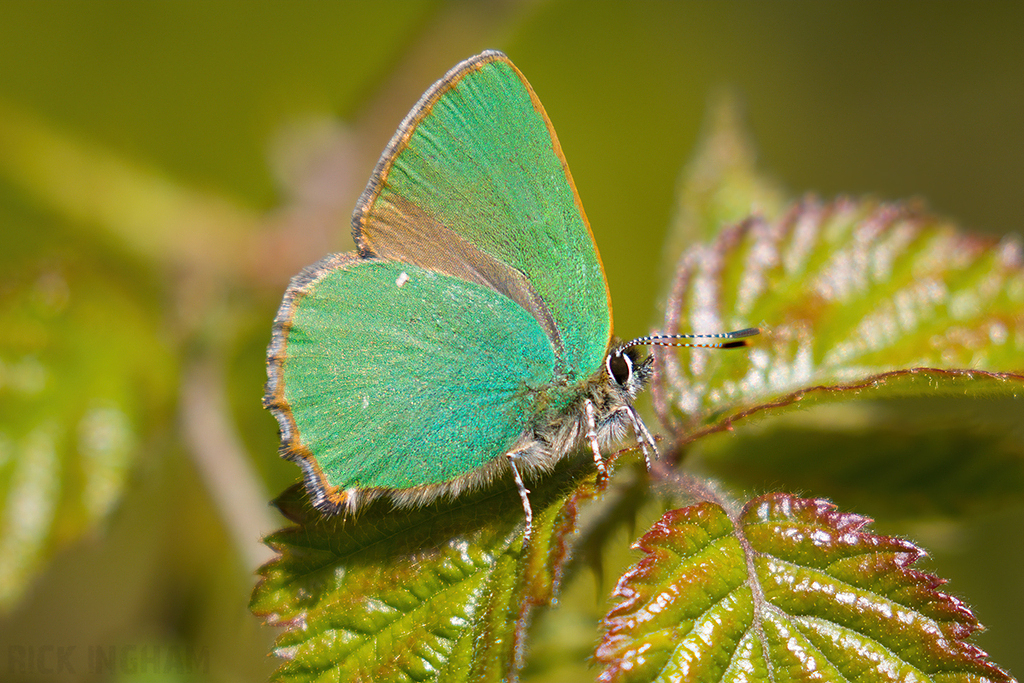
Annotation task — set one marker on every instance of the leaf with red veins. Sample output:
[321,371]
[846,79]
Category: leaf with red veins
[856,299]
[789,589]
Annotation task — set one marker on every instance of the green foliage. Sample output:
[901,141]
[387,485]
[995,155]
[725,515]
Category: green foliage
[71,430]
[440,593]
[787,589]
[909,459]
[865,300]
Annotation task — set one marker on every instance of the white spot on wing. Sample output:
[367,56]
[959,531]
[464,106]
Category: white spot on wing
[402,279]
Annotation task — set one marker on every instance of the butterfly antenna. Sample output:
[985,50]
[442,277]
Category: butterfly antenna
[718,340]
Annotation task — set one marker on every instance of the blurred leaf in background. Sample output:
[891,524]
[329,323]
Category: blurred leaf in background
[166,167]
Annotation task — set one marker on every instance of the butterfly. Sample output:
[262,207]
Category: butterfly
[470,336]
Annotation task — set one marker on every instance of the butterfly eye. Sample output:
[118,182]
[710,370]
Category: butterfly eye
[620,367]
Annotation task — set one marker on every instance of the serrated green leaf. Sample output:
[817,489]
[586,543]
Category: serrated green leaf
[856,298]
[440,593]
[77,397]
[789,589]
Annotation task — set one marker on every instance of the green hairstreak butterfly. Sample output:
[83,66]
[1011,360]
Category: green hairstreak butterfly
[470,337]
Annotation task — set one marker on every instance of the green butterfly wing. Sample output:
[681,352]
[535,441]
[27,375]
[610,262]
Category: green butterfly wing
[474,185]
[388,375]
[476,303]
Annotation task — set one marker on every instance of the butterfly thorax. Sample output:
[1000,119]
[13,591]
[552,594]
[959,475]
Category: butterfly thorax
[561,421]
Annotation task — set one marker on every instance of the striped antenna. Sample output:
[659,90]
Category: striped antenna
[728,340]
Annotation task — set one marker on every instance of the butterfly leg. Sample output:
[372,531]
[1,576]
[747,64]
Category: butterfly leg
[524,495]
[595,445]
[643,436]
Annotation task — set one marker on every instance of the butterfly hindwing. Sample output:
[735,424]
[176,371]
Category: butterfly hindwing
[388,375]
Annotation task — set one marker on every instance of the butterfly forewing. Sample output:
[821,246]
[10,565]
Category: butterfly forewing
[474,185]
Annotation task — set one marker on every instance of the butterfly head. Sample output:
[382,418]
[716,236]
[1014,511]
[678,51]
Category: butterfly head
[628,368]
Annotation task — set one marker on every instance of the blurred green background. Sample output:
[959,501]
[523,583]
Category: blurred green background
[165,167]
